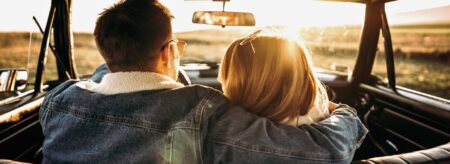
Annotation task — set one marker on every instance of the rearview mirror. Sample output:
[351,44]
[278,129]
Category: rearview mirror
[222,18]
[13,79]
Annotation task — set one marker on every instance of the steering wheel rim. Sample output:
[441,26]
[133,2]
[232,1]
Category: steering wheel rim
[183,77]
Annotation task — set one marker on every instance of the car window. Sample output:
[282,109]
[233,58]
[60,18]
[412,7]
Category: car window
[20,50]
[20,40]
[421,45]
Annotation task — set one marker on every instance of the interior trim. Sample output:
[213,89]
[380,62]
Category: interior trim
[15,114]
[428,107]
[378,125]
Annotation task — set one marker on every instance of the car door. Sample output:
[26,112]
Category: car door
[395,101]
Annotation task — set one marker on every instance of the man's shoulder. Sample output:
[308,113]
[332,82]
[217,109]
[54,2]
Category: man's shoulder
[61,88]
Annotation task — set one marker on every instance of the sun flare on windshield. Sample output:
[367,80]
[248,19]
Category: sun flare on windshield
[312,13]
[293,13]
[304,13]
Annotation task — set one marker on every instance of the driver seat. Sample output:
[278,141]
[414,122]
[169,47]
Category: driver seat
[440,154]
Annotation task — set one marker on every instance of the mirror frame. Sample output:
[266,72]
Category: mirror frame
[224,18]
[13,79]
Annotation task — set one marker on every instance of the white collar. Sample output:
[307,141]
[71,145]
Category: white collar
[316,114]
[126,82]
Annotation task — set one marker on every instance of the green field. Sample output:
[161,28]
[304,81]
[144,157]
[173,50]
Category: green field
[422,52]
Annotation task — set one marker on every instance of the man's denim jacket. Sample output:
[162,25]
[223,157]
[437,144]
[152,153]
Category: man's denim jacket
[193,124]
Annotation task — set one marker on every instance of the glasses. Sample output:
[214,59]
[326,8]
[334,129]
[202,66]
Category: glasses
[181,46]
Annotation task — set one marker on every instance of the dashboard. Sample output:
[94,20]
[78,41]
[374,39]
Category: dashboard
[206,74]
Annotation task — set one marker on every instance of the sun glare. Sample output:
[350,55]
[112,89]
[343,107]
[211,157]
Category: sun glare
[272,13]
[294,13]
[309,13]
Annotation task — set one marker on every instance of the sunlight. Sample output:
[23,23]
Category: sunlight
[295,13]
[290,13]
[309,13]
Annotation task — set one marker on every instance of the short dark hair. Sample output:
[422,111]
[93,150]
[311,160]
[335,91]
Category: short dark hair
[130,33]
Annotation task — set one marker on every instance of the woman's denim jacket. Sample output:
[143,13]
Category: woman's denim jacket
[193,124]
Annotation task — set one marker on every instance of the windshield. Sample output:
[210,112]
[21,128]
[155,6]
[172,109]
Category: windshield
[325,27]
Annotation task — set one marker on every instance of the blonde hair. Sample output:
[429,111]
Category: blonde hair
[271,76]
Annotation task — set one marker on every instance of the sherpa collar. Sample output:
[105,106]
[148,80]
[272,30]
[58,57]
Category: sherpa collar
[126,82]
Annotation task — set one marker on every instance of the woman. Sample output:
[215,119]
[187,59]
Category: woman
[270,74]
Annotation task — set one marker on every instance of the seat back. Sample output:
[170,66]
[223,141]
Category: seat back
[440,154]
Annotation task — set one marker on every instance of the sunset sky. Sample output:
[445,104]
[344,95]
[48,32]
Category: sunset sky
[16,15]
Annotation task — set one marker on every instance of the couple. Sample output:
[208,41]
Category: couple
[273,109]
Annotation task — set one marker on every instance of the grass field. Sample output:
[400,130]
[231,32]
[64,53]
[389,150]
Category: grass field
[422,52]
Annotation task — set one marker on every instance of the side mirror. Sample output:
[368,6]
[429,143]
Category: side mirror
[13,79]
[222,18]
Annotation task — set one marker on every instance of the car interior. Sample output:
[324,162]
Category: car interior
[406,125]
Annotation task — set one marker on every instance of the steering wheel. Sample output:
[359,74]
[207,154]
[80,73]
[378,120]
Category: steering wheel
[183,77]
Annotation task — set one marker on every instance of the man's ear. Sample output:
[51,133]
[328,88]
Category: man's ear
[164,55]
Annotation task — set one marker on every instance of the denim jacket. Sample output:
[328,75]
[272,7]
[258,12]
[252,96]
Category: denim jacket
[193,124]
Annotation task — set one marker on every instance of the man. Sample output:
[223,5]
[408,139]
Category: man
[138,113]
